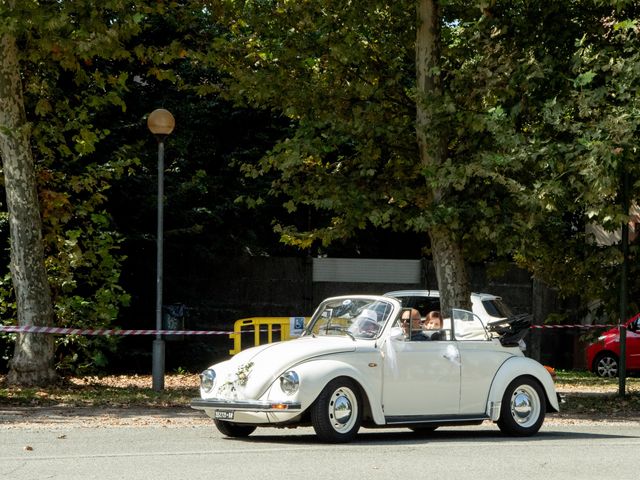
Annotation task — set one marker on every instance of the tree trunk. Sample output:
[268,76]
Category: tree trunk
[451,273]
[32,362]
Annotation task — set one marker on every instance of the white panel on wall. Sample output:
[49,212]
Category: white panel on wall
[366,270]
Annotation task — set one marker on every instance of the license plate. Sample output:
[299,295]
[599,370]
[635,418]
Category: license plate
[224,414]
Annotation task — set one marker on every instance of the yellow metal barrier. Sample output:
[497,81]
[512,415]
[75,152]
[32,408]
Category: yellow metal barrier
[265,325]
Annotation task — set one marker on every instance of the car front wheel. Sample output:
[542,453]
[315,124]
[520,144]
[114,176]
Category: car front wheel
[336,414]
[606,365]
[523,408]
[234,429]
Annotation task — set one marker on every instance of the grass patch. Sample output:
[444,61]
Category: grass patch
[589,382]
[586,379]
[588,395]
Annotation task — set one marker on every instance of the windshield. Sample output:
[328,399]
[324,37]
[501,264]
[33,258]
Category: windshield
[356,317]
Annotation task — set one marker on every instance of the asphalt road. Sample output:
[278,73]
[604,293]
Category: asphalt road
[583,450]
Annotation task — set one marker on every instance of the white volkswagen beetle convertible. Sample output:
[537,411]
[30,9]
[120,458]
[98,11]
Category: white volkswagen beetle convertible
[357,364]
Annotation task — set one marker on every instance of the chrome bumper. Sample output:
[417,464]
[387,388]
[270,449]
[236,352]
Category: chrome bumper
[244,405]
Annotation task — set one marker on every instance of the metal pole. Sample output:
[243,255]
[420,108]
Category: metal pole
[158,343]
[622,370]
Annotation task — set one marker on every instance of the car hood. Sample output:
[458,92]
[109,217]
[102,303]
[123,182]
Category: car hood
[615,329]
[249,373]
[612,333]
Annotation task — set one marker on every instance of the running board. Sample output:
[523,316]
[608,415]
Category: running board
[434,419]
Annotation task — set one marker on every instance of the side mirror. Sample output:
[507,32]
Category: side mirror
[633,326]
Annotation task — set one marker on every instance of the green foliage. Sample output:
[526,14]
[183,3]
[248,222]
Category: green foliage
[205,209]
[581,136]
[542,107]
[71,80]
[538,113]
[342,73]
[91,74]
[303,112]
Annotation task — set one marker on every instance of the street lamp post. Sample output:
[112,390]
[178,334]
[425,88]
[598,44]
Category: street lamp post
[160,123]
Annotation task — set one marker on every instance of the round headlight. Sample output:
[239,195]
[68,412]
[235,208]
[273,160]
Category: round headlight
[289,382]
[207,380]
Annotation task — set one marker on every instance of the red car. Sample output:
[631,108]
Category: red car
[603,355]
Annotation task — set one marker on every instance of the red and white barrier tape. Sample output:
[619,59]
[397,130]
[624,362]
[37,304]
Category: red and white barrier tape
[104,331]
[572,326]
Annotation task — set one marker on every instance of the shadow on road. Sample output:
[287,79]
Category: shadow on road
[407,437]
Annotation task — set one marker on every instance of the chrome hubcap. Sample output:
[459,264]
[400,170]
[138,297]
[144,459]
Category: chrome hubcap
[343,409]
[525,406]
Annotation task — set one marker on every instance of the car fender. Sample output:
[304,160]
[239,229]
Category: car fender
[317,373]
[608,350]
[511,369]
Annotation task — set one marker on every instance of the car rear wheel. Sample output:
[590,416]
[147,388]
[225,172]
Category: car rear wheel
[336,414]
[606,365]
[235,430]
[523,408]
